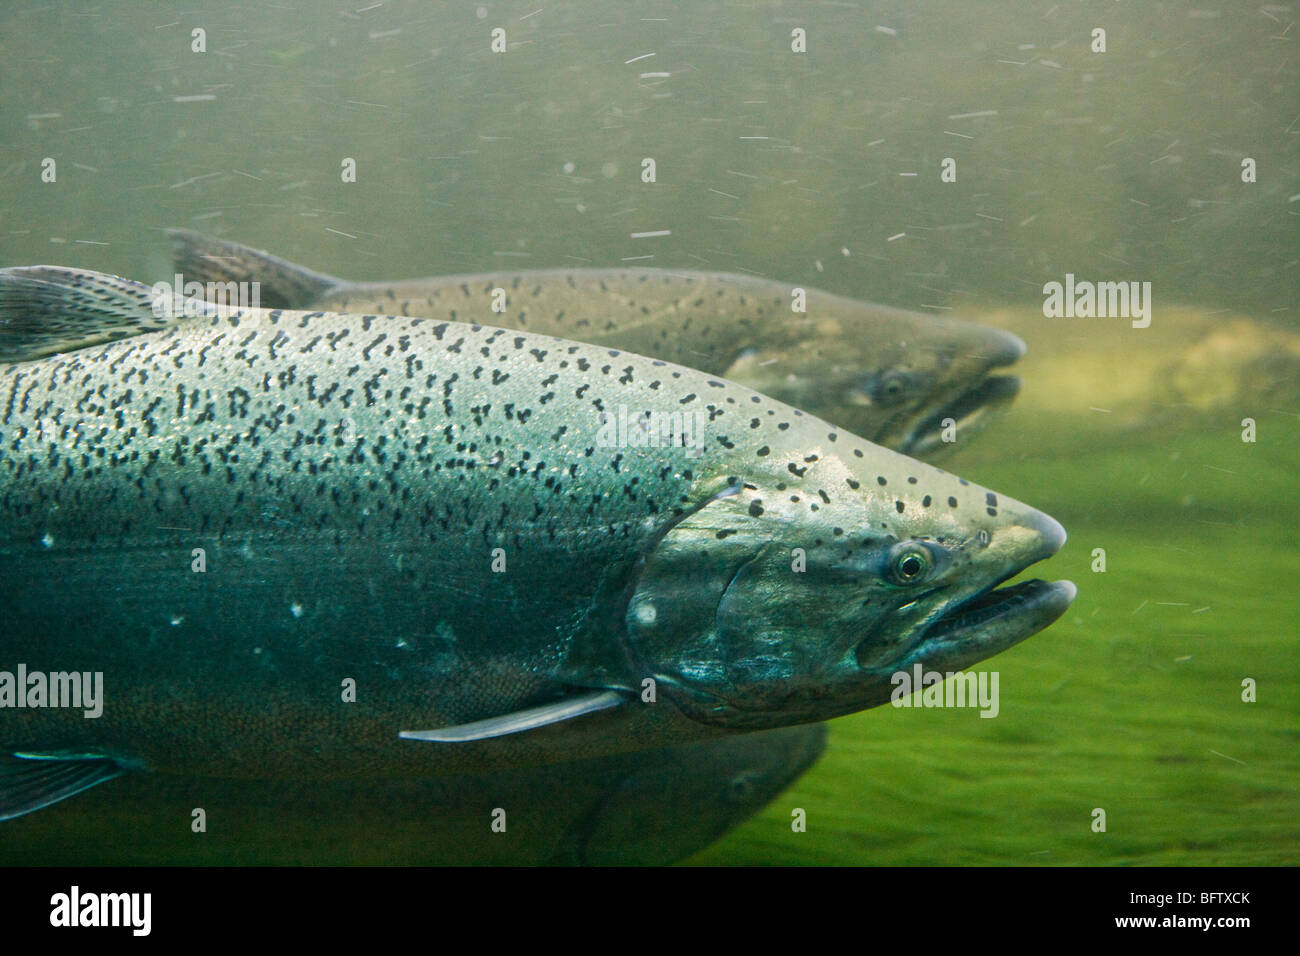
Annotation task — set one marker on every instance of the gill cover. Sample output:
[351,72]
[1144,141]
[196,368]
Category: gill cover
[727,626]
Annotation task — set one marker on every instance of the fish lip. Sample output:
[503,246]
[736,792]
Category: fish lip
[986,624]
[998,349]
[990,392]
[1000,605]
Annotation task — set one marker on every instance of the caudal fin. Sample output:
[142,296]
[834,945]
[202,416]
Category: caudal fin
[282,285]
[45,310]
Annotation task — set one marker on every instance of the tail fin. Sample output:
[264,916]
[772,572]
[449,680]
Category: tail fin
[282,285]
[45,310]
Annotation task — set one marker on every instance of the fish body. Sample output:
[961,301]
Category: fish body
[892,376]
[285,538]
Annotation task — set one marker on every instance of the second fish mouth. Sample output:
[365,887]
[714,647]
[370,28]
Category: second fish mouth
[964,409]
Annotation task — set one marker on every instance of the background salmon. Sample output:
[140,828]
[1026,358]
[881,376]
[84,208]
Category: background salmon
[889,375]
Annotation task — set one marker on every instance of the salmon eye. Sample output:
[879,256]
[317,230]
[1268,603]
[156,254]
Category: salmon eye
[890,388]
[909,564]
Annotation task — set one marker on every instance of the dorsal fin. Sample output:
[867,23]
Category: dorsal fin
[281,284]
[45,310]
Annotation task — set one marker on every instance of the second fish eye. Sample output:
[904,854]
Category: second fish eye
[890,388]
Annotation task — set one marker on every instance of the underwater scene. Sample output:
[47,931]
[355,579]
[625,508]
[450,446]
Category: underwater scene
[773,433]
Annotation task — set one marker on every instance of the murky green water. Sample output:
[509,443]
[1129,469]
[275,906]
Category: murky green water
[821,168]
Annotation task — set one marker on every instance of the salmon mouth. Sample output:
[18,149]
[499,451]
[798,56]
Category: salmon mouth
[982,625]
[968,408]
[1022,609]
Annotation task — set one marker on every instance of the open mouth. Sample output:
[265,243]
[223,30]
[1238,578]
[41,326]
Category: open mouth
[965,409]
[1033,603]
[984,624]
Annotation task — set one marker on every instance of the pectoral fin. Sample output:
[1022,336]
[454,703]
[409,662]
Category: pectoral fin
[521,720]
[31,781]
